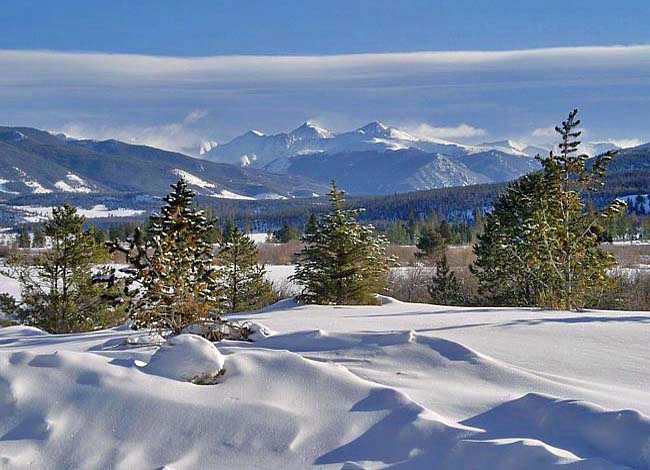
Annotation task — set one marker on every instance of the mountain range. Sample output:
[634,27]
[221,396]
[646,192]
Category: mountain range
[35,162]
[40,168]
[378,159]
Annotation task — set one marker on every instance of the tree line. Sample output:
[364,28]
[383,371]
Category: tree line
[539,246]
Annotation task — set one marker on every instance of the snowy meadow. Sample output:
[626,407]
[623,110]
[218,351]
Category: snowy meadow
[398,385]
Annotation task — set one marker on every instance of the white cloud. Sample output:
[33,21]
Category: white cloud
[140,98]
[545,132]
[461,131]
[625,143]
[175,137]
[194,116]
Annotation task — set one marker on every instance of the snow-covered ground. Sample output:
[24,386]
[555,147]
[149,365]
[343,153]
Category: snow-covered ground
[400,386]
[42,213]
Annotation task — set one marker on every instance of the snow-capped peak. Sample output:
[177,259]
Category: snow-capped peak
[310,130]
[373,129]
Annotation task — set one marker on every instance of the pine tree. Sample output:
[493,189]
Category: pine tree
[541,244]
[39,238]
[24,241]
[444,288]
[343,262]
[174,266]
[58,292]
[285,234]
[431,242]
[243,281]
[312,224]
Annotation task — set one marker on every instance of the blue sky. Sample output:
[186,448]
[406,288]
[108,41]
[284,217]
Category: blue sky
[160,72]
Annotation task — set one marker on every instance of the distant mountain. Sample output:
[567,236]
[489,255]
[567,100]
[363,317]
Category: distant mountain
[371,172]
[375,158]
[259,150]
[36,162]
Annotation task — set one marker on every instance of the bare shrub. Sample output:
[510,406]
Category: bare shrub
[409,283]
[629,256]
[631,292]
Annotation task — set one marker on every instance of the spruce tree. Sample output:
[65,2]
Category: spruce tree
[24,241]
[431,243]
[39,238]
[57,288]
[312,224]
[541,243]
[444,288]
[285,234]
[343,262]
[243,281]
[174,266]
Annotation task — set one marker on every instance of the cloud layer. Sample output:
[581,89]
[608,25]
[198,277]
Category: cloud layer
[179,101]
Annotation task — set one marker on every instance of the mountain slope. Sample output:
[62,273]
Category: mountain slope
[36,162]
[385,172]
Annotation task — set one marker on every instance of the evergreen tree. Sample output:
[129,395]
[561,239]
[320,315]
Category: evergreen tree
[311,226]
[243,281]
[58,292]
[23,238]
[444,288]
[174,266]
[285,234]
[541,244]
[431,243]
[343,262]
[39,238]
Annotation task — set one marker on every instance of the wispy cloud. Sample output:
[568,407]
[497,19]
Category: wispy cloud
[177,136]
[461,131]
[173,101]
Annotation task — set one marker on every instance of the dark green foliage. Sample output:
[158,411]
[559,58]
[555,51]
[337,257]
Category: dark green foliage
[100,236]
[431,242]
[398,233]
[311,226]
[541,244]
[242,280]
[57,288]
[175,266]
[285,234]
[343,262]
[39,238]
[444,288]
[23,238]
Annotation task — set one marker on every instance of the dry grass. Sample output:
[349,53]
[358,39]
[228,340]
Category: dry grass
[629,256]
[278,253]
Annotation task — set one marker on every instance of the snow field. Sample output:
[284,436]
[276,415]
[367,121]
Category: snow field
[395,386]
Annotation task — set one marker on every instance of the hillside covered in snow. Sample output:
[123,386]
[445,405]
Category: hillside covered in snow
[396,386]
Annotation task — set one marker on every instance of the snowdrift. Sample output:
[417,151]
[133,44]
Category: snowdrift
[396,386]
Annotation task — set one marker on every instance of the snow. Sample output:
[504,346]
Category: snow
[269,196]
[225,194]
[35,186]
[399,386]
[258,237]
[193,180]
[632,198]
[5,190]
[186,358]
[41,213]
[74,184]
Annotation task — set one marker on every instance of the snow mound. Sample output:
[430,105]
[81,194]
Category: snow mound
[188,358]
[21,331]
